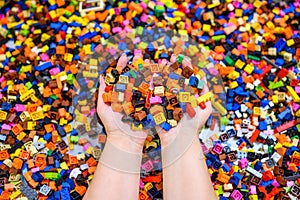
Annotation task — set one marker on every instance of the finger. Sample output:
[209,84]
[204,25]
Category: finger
[136,57]
[122,62]
[205,113]
[173,58]
[205,88]
[102,86]
[164,62]
[146,61]
[186,63]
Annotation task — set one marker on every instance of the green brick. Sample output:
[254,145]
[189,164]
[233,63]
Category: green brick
[28,85]
[229,61]
[218,37]
[253,57]
[132,73]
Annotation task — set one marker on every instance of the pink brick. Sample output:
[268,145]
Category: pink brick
[126,22]
[213,71]
[136,40]
[290,183]
[112,51]
[137,52]
[231,14]
[250,6]
[236,195]
[235,4]
[20,107]
[54,71]
[141,184]
[155,100]
[243,163]
[2,79]
[117,11]
[144,17]
[275,183]
[252,189]
[86,146]
[143,5]
[218,148]
[6,127]
[116,29]
[36,169]
[295,107]
[148,166]
[44,57]
[297,89]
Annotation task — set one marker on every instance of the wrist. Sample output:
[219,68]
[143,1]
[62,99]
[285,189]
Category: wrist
[124,160]
[186,142]
[126,143]
[169,137]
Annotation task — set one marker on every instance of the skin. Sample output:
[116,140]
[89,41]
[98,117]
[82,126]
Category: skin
[109,183]
[185,178]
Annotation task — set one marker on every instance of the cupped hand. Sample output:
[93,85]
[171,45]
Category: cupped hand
[118,132]
[188,125]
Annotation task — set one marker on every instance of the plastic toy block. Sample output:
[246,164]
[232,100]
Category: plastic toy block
[184,96]
[159,118]
[218,148]
[205,97]
[3,115]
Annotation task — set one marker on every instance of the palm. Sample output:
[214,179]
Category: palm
[112,120]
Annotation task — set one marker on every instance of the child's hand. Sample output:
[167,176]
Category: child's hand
[119,133]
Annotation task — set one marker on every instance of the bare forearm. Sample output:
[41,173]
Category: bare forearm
[188,178]
[116,177]
[110,184]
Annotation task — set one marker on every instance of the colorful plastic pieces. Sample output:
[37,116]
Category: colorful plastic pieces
[253,45]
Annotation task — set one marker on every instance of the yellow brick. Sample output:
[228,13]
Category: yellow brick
[278,145]
[71,145]
[238,12]
[293,94]
[233,84]
[159,118]
[27,95]
[148,186]
[270,25]
[239,64]
[184,96]
[257,111]
[257,4]
[68,128]
[205,97]
[68,57]
[136,128]
[253,197]
[275,99]
[3,115]
[46,108]
[249,69]
[151,144]
[193,101]
[15,194]
[234,75]
[206,27]
[290,42]
[201,73]
[21,136]
[219,107]
[37,115]
[64,166]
